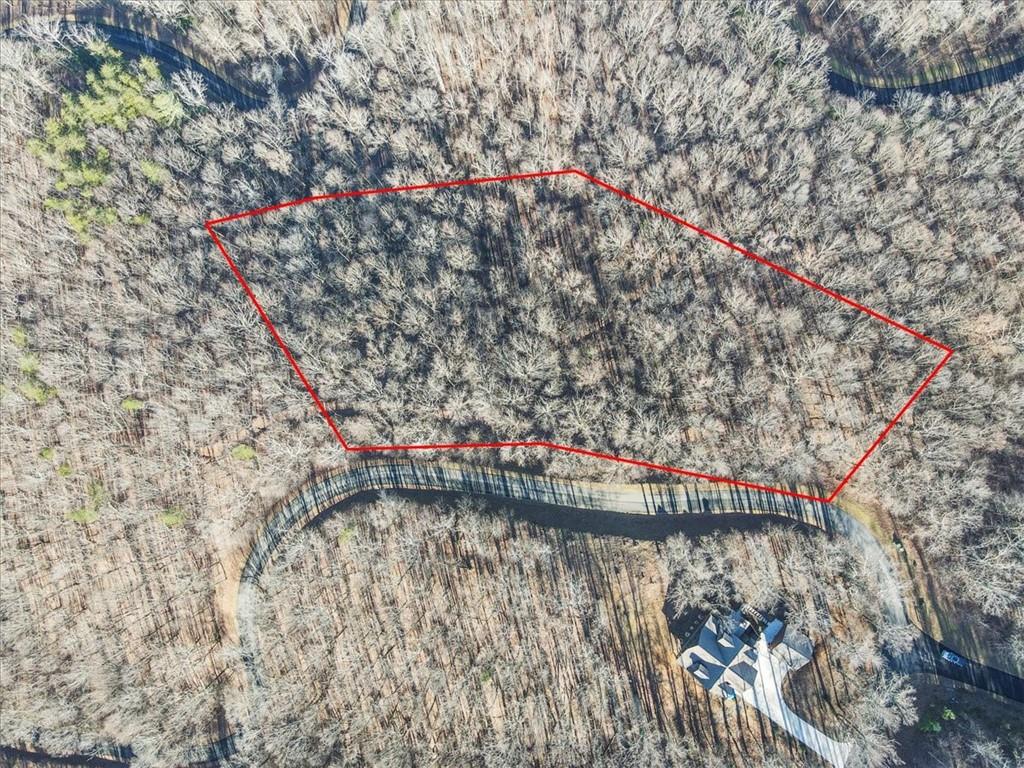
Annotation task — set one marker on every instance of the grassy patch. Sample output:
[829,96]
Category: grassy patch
[243,452]
[155,173]
[84,515]
[346,534]
[172,516]
[48,453]
[32,388]
[97,493]
[36,392]
[132,405]
[91,511]
[29,364]
[65,470]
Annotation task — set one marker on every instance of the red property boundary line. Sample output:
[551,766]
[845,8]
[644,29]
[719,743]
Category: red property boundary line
[555,446]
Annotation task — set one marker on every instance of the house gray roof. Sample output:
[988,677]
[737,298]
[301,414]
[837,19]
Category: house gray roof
[742,675]
[716,646]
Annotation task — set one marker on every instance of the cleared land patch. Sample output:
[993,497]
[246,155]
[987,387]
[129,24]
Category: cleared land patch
[557,311]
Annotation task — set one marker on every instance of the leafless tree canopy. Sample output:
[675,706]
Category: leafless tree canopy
[147,420]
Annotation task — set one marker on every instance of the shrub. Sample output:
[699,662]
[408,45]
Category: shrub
[243,452]
[154,172]
[84,515]
[172,516]
[29,364]
[19,337]
[37,392]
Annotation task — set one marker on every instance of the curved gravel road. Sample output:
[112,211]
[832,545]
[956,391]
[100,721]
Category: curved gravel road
[642,511]
[243,94]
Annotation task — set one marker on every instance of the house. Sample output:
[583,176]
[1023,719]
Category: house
[730,658]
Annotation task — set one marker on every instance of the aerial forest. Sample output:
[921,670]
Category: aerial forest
[150,423]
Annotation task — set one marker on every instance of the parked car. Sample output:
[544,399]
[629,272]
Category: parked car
[953,658]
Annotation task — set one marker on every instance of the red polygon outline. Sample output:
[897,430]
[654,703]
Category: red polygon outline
[210,224]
